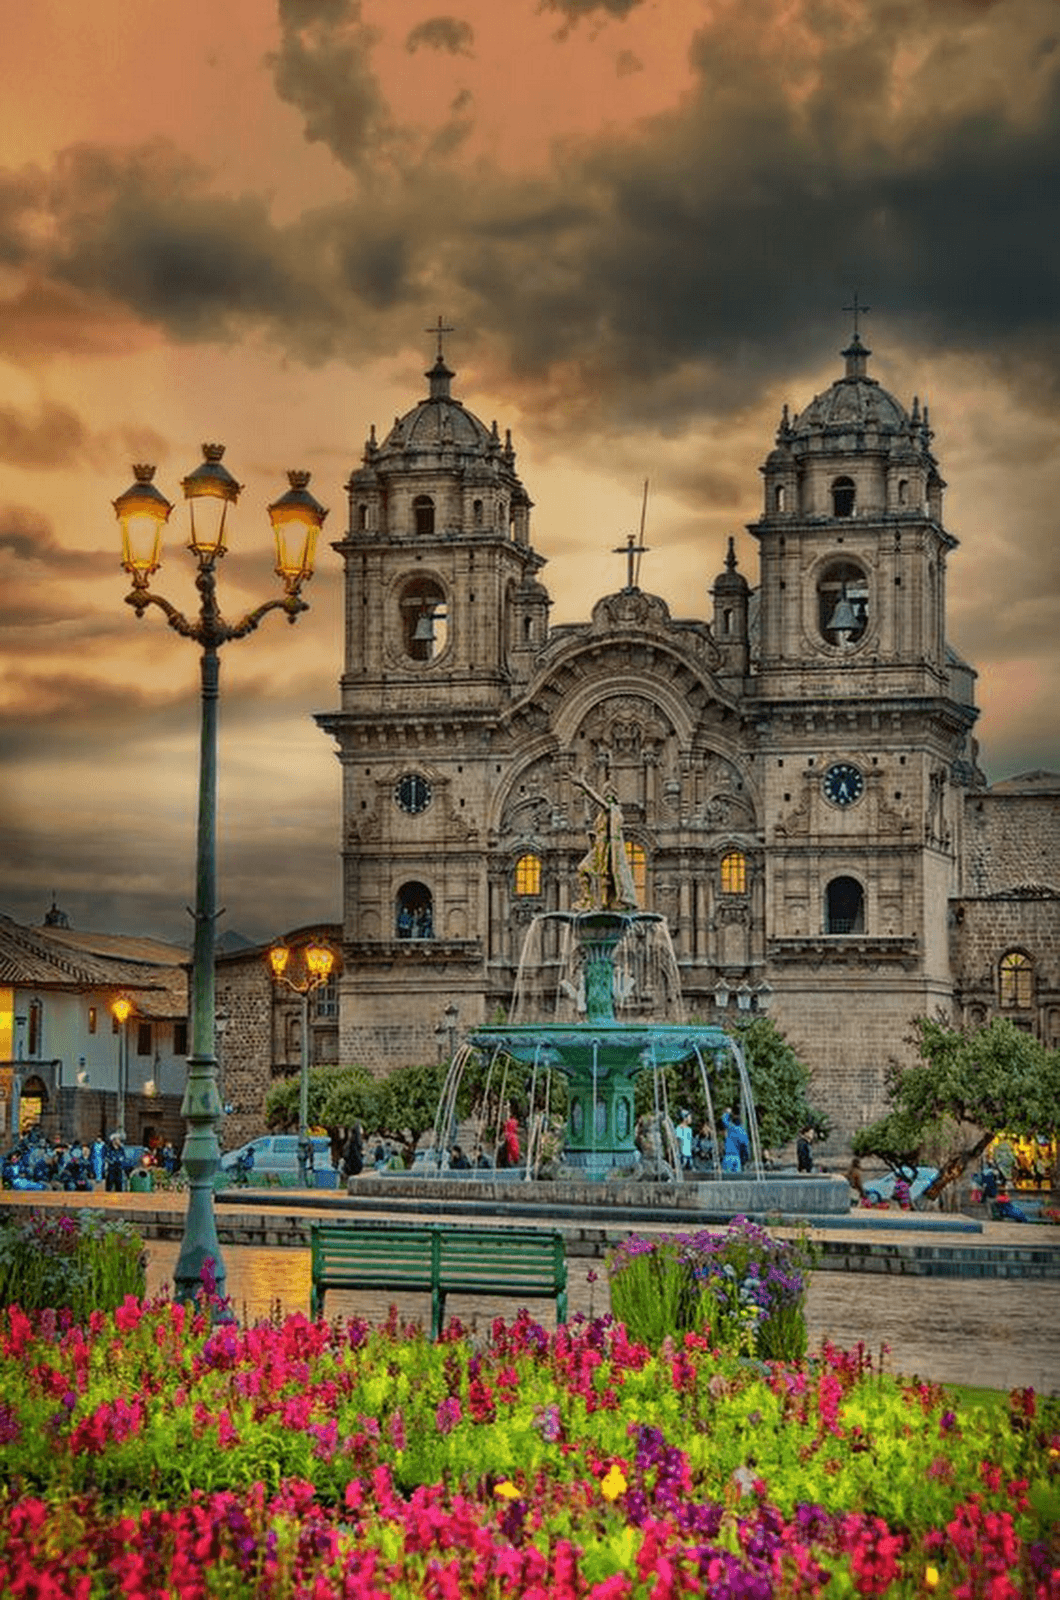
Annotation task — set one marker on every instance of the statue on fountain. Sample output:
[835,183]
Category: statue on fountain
[604,872]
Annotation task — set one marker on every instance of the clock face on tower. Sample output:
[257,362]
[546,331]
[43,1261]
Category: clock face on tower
[412,793]
[843,783]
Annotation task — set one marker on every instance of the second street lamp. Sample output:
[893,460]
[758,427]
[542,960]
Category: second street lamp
[121,1009]
[313,966]
[296,519]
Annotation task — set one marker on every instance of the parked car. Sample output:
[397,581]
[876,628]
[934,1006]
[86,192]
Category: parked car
[882,1188]
[275,1155]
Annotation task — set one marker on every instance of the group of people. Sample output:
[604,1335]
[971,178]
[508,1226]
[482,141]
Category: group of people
[36,1163]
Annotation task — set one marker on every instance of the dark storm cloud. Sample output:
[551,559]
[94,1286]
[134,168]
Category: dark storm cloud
[25,536]
[442,33]
[574,10]
[142,226]
[324,67]
[661,276]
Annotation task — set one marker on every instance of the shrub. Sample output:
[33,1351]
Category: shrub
[82,1262]
[744,1287]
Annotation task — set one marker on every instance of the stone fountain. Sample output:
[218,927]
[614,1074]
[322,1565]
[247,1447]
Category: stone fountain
[568,1027]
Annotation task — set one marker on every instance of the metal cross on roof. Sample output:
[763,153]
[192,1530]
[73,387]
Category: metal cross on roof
[442,328]
[631,549]
[858,310]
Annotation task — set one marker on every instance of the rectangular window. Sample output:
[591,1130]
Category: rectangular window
[93,1019]
[143,1038]
[326,1001]
[734,873]
[36,1029]
[7,1024]
[180,1038]
[528,875]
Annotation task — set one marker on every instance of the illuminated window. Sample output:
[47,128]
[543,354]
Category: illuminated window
[528,875]
[93,1019]
[734,873]
[1017,979]
[638,865]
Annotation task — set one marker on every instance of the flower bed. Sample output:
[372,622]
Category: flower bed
[743,1288]
[151,1453]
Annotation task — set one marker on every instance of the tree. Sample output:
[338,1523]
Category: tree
[408,1103]
[338,1097]
[965,1089]
[780,1086]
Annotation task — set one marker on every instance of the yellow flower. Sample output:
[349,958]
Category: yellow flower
[613,1484]
[931,1577]
[506,1489]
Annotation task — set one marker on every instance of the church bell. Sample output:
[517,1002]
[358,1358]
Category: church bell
[844,618]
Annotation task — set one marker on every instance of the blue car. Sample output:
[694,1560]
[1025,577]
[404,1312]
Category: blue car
[883,1188]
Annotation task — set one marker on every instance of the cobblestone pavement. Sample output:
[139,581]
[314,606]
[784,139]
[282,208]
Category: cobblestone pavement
[1002,1333]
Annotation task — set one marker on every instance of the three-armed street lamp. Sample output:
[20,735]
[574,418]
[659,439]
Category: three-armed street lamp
[142,512]
[314,965]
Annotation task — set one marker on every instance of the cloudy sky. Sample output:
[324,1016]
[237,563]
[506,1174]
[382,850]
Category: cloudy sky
[643,219]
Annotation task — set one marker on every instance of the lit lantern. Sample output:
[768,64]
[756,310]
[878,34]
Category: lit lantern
[279,956]
[142,512]
[296,517]
[211,489]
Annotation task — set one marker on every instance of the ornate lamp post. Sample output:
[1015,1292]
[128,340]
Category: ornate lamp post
[314,965]
[143,512]
[121,1010]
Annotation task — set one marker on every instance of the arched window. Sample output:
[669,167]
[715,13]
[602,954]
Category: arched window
[424,620]
[415,912]
[844,906]
[842,603]
[423,513]
[638,864]
[362,516]
[734,873]
[1016,976]
[528,875]
[903,491]
[778,497]
[476,513]
[843,494]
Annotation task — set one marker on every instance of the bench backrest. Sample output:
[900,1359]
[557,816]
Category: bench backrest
[450,1256]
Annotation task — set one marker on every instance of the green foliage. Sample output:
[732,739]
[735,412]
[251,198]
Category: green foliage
[780,1084]
[407,1104]
[338,1097]
[83,1261]
[743,1288]
[965,1088]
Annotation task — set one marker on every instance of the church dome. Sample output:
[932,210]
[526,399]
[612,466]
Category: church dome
[439,425]
[855,404]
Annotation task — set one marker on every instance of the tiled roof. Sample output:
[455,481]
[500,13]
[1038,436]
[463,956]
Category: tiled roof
[59,958]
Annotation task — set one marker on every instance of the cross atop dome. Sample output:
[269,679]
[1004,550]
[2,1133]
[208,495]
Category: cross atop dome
[856,354]
[440,375]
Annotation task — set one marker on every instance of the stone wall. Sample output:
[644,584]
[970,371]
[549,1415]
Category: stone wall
[1012,839]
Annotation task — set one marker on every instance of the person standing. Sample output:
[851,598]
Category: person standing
[683,1135]
[737,1146]
[114,1165]
[804,1150]
[353,1155]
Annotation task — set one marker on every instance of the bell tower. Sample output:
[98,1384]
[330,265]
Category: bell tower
[444,615]
[865,715]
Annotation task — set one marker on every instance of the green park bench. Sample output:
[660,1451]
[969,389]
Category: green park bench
[433,1258]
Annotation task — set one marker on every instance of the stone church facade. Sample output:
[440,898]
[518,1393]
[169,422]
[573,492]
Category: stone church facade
[795,765]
